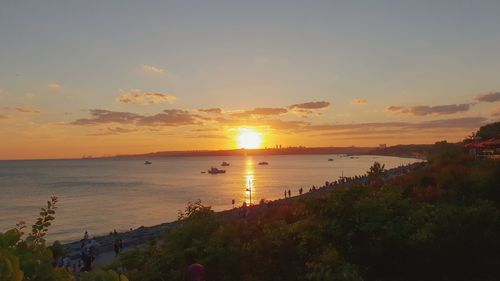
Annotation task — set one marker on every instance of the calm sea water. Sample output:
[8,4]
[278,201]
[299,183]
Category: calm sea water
[100,195]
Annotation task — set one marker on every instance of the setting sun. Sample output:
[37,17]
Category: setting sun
[248,138]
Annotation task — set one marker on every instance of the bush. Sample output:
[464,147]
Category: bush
[27,258]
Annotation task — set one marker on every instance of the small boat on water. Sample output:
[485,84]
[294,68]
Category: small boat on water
[225,164]
[214,171]
[330,159]
[147,163]
[263,163]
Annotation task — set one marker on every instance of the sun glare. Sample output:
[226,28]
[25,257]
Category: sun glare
[248,138]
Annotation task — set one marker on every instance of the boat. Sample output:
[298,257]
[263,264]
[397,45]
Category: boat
[225,164]
[263,163]
[214,171]
[147,163]
[330,159]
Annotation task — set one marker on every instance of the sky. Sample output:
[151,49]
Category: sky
[100,78]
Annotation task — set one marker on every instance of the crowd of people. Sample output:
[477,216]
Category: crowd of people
[88,252]
[360,180]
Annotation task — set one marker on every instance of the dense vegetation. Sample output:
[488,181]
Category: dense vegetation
[489,131]
[438,223]
[26,257]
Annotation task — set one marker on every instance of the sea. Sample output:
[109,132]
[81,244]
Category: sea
[101,195]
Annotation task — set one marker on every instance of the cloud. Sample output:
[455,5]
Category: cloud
[212,110]
[208,136]
[399,130]
[359,101]
[206,130]
[488,97]
[260,111]
[311,105]
[136,96]
[121,130]
[169,117]
[307,108]
[152,69]
[54,85]
[101,116]
[442,124]
[112,131]
[423,110]
[23,109]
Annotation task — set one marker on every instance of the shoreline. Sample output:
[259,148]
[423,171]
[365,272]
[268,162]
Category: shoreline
[145,234]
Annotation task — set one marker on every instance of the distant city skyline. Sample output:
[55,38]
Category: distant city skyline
[123,77]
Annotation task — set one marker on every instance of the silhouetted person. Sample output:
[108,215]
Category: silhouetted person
[300,191]
[285,193]
[289,193]
[196,272]
[120,244]
[116,247]
[86,235]
[87,263]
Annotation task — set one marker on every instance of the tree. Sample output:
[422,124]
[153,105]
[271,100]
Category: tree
[489,131]
[376,170]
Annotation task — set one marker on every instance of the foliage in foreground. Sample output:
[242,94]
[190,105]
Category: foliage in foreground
[28,258]
[439,223]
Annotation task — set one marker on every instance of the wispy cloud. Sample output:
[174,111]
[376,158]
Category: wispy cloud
[23,109]
[260,111]
[54,85]
[309,107]
[101,116]
[207,136]
[109,131]
[212,110]
[488,97]
[359,101]
[152,69]
[423,110]
[137,96]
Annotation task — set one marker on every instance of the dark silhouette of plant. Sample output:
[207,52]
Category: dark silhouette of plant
[28,259]
[376,170]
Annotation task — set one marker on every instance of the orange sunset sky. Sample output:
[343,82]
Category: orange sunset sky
[81,78]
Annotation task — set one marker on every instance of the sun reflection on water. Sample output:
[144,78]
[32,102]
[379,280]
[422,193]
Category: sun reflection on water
[249,182]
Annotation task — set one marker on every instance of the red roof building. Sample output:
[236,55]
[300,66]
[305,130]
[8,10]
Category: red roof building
[487,148]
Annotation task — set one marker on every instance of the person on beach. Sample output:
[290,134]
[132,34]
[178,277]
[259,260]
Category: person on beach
[116,247]
[300,191]
[289,193]
[285,193]
[86,235]
[93,245]
[120,244]
[86,259]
